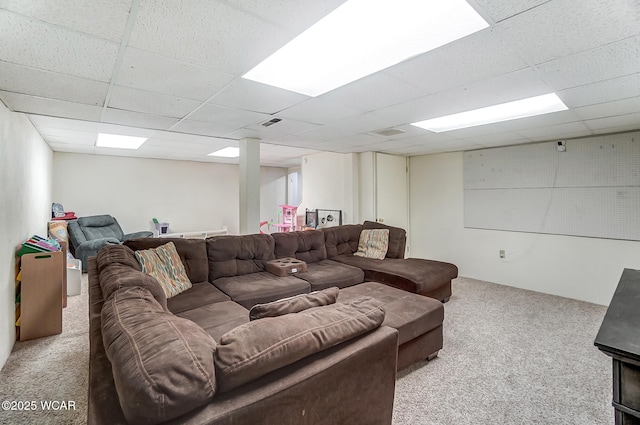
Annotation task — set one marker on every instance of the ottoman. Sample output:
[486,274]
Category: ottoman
[417,318]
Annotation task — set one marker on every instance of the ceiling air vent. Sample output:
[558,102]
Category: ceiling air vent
[389,132]
[271,122]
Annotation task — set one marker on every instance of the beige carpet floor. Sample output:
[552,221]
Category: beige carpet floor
[510,357]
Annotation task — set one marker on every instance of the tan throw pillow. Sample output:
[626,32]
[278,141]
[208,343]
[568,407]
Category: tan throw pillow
[262,346]
[294,304]
[373,243]
[162,364]
[165,265]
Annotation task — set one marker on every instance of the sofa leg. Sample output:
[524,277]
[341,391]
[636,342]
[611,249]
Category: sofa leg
[432,356]
[446,300]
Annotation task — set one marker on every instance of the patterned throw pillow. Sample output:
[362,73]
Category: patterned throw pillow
[165,265]
[373,243]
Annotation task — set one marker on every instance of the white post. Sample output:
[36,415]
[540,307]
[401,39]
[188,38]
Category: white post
[249,186]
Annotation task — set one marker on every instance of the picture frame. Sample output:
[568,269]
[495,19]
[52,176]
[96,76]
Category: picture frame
[311,219]
[328,218]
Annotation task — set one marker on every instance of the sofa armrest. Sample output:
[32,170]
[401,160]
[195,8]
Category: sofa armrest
[137,235]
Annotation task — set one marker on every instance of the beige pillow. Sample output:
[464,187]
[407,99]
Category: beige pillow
[165,265]
[373,243]
[261,346]
[294,304]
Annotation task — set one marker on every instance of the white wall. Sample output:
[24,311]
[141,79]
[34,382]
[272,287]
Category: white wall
[25,206]
[190,195]
[581,268]
[330,181]
[273,193]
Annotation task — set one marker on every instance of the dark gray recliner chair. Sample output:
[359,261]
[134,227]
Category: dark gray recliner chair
[89,234]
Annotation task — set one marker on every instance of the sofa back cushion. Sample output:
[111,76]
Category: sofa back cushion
[231,255]
[307,245]
[397,238]
[261,346]
[162,364]
[192,252]
[341,240]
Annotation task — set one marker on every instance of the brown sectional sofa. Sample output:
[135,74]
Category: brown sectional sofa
[351,382]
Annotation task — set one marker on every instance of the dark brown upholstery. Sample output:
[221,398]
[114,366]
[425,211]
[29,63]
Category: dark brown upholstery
[261,287]
[397,238]
[261,346]
[162,364]
[307,245]
[294,304]
[238,255]
[341,240]
[418,319]
[219,318]
[200,294]
[327,273]
[192,252]
[119,254]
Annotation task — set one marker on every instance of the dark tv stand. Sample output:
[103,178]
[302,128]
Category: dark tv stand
[619,338]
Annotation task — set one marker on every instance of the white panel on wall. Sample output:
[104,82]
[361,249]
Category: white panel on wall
[592,189]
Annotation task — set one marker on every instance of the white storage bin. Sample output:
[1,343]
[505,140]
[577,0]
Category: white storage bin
[74,276]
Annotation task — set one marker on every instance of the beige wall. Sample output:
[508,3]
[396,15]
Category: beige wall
[25,206]
[191,196]
[581,268]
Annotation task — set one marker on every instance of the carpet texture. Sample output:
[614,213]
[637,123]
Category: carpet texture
[510,356]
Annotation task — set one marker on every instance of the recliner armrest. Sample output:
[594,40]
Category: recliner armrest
[137,235]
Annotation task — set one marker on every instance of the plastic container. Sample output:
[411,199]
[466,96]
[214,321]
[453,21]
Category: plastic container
[74,276]
[162,228]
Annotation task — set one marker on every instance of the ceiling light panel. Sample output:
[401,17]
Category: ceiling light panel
[228,152]
[117,141]
[537,105]
[362,37]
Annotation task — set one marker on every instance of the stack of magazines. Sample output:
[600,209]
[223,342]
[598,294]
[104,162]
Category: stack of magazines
[36,244]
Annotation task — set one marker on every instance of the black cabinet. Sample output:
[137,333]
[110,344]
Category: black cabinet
[619,338]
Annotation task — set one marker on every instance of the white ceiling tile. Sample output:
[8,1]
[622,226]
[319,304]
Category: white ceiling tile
[326,132]
[617,123]
[609,109]
[137,119]
[603,63]
[173,136]
[369,93]
[203,128]
[43,123]
[602,91]
[257,97]
[44,106]
[286,126]
[161,74]
[208,33]
[321,110]
[125,130]
[39,45]
[390,144]
[498,139]
[20,79]
[575,129]
[544,120]
[150,103]
[502,9]
[473,58]
[480,130]
[70,136]
[559,28]
[227,116]
[77,15]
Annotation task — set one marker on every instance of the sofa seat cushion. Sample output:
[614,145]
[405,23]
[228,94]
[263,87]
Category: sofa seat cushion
[411,274]
[219,318]
[259,288]
[162,364]
[202,293]
[261,346]
[411,314]
[326,274]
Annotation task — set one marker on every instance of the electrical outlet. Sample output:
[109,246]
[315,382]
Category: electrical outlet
[502,255]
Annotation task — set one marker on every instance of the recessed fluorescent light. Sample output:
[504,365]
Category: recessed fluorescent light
[503,112]
[229,152]
[118,141]
[362,37]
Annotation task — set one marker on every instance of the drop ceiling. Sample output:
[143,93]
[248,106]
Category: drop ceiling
[171,71]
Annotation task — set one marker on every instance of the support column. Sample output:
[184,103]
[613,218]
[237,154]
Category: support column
[249,186]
